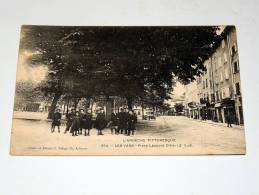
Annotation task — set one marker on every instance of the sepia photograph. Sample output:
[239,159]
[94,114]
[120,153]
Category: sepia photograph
[128,90]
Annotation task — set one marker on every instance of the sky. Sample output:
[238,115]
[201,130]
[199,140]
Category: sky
[178,91]
[27,73]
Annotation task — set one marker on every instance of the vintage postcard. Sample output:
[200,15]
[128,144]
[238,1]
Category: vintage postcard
[124,90]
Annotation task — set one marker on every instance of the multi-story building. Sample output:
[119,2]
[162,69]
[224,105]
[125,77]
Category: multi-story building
[218,88]
[191,100]
[205,85]
[233,55]
[223,84]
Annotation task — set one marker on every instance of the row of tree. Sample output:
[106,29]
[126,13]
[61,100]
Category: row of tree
[138,64]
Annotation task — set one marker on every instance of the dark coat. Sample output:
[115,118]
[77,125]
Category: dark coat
[56,119]
[70,118]
[131,122]
[86,121]
[114,121]
[228,118]
[100,122]
[75,124]
[122,120]
[135,118]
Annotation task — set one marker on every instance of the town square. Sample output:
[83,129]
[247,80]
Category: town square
[95,87]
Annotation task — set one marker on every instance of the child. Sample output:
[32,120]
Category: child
[75,125]
[86,123]
[113,123]
[100,122]
[56,120]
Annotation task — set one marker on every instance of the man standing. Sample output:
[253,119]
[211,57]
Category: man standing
[81,114]
[130,123]
[70,118]
[122,123]
[119,122]
[229,119]
[56,120]
[100,122]
[113,123]
[126,121]
[75,124]
[86,122]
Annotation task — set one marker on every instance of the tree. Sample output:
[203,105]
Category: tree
[48,47]
[135,63]
[26,93]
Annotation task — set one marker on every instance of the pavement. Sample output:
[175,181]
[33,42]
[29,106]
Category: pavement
[187,137]
[219,124]
[37,116]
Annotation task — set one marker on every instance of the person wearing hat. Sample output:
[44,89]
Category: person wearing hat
[86,122]
[75,126]
[81,115]
[229,119]
[121,121]
[100,122]
[56,120]
[70,118]
[130,123]
[125,119]
[113,123]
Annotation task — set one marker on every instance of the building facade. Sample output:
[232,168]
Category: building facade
[218,88]
[191,101]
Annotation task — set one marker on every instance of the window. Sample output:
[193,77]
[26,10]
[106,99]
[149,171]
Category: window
[227,92]
[238,89]
[217,95]
[225,57]
[223,93]
[221,77]
[216,80]
[233,49]
[206,83]
[219,61]
[226,74]
[223,44]
[203,84]
[212,97]
[236,68]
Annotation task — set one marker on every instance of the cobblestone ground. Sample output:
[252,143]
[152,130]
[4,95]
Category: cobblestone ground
[193,136]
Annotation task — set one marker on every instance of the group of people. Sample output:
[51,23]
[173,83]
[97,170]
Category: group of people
[79,122]
[123,122]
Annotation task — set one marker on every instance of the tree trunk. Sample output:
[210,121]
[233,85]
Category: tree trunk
[64,108]
[108,107]
[53,104]
[142,107]
[91,105]
[76,101]
[129,102]
[87,103]
[67,109]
